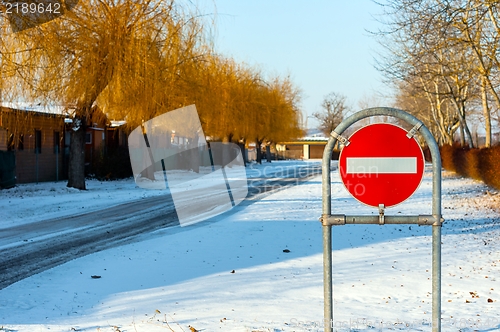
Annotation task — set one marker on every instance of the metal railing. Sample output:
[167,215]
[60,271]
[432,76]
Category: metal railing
[435,220]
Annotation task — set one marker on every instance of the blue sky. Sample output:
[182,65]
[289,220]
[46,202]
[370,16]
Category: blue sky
[322,44]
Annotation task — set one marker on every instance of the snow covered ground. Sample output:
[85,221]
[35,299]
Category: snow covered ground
[234,273]
[27,203]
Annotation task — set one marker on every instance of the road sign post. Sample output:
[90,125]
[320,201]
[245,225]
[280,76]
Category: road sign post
[381,165]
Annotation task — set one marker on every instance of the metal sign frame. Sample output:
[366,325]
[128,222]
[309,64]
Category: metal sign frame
[435,219]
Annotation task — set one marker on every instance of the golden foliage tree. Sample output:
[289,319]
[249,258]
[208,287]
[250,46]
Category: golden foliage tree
[137,59]
[237,104]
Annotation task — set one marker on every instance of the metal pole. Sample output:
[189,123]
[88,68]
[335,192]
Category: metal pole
[327,236]
[436,278]
[436,229]
[327,278]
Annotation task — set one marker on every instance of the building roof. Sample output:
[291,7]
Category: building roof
[114,123]
[313,136]
[48,109]
[313,139]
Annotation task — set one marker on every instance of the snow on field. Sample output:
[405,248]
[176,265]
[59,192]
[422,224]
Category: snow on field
[234,273]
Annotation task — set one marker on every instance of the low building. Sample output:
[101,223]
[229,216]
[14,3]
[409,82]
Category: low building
[308,147]
[35,140]
[34,143]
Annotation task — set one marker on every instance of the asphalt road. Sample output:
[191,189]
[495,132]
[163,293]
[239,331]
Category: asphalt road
[29,249]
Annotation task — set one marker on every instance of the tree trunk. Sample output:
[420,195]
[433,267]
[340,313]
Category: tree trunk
[243,153]
[465,135]
[458,99]
[76,164]
[259,152]
[462,134]
[467,132]
[268,153]
[487,115]
[149,172]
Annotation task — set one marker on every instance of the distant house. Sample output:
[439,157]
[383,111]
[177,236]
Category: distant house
[101,136]
[310,146]
[35,139]
[34,143]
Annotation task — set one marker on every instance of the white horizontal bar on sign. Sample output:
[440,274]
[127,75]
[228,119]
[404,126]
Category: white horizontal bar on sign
[382,165]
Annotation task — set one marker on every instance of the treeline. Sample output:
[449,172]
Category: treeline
[134,60]
[236,102]
[442,57]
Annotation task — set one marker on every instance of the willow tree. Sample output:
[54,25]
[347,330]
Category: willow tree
[275,113]
[220,98]
[113,53]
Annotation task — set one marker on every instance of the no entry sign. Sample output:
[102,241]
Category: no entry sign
[381,165]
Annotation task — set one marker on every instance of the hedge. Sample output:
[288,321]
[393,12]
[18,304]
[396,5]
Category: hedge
[480,164]
[115,164]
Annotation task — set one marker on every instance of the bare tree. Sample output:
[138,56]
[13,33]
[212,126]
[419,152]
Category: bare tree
[334,107]
[447,48]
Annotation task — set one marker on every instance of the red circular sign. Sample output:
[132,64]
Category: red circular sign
[381,165]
